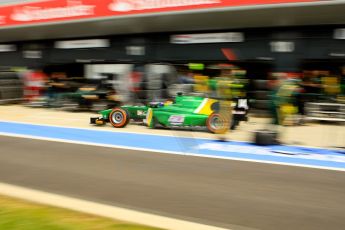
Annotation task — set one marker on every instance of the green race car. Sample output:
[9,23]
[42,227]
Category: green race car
[184,111]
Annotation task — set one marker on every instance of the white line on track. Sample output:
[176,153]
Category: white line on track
[103,129]
[103,210]
[46,116]
[165,151]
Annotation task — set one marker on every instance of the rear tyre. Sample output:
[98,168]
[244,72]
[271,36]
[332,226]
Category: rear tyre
[119,117]
[217,123]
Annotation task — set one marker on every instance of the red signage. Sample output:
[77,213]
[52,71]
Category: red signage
[68,10]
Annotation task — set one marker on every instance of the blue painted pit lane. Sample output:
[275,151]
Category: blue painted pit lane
[278,154]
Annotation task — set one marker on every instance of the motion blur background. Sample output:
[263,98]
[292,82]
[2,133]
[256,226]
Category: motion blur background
[94,54]
[281,61]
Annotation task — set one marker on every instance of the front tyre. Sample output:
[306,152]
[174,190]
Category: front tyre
[119,117]
[216,123]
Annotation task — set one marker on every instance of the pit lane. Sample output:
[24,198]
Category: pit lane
[315,135]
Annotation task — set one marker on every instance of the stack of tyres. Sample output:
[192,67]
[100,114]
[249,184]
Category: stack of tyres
[11,87]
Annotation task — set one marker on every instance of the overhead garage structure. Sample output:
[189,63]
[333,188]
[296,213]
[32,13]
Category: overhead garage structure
[52,19]
[282,32]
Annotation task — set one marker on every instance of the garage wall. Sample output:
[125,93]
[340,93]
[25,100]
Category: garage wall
[259,44]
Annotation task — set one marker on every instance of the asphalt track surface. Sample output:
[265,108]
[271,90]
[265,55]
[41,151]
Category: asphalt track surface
[225,193]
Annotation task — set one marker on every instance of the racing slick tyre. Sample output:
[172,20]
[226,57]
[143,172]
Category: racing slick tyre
[216,123]
[119,117]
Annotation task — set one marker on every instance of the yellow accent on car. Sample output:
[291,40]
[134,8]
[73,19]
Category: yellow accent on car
[206,106]
[99,122]
[149,117]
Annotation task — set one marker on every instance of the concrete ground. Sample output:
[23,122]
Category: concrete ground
[312,134]
[234,195]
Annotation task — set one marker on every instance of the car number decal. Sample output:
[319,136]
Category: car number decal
[176,119]
[140,113]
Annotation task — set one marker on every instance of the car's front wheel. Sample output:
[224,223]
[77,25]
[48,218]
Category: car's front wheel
[119,117]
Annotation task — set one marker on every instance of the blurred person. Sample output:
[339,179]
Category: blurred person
[342,81]
[310,90]
[201,85]
[331,85]
[101,91]
[286,101]
[239,84]
[35,85]
[274,84]
[341,95]
[55,85]
[185,77]
[239,97]
[224,85]
[136,88]
[307,82]
[224,94]
[284,94]
[230,89]
[313,83]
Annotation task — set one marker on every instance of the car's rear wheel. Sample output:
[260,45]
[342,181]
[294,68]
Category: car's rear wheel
[119,117]
[217,123]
